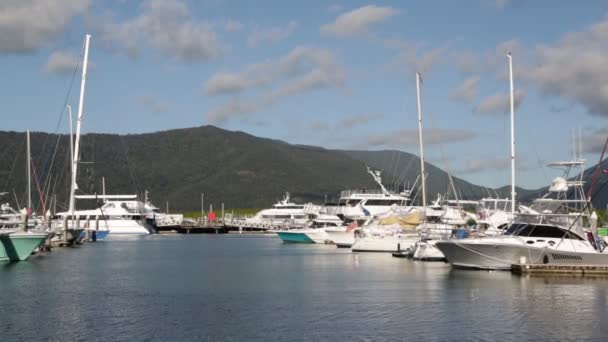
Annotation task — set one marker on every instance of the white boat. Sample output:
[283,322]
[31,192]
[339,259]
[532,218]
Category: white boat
[391,232]
[527,242]
[343,236]
[553,230]
[361,204]
[313,232]
[283,214]
[114,217]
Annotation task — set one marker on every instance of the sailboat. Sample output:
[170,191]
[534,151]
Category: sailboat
[17,243]
[72,230]
[553,230]
[394,231]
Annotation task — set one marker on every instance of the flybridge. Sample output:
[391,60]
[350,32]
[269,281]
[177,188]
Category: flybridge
[106,197]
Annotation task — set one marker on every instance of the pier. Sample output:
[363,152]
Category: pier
[202,227]
[561,269]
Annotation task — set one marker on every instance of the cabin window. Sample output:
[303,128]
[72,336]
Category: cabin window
[532,230]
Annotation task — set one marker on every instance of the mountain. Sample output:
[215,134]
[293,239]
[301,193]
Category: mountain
[232,167]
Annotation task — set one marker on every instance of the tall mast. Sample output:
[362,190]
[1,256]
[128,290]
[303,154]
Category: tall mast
[512,132]
[71,139]
[29,172]
[79,123]
[423,177]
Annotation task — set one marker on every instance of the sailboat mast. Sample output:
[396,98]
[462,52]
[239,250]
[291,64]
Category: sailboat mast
[71,139]
[79,122]
[512,105]
[422,175]
[29,172]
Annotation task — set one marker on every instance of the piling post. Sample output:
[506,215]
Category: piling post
[24,219]
[87,227]
[65,229]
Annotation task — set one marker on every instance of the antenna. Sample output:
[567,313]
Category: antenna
[513,194]
[378,179]
[29,173]
[79,123]
[423,177]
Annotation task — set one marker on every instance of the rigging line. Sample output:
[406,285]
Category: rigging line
[396,168]
[50,166]
[63,107]
[404,173]
[39,192]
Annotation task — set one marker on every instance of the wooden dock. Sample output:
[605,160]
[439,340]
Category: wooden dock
[559,269]
[202,228]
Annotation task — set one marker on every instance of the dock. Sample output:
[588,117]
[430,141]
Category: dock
[559,269]
[205,227]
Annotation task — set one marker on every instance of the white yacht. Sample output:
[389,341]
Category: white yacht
[553,230]
[394,231]
[120,216]
[358,204]
[283,214]
[343,236]
[313,232]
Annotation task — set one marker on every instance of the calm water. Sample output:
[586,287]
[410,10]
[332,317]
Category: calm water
[254,288]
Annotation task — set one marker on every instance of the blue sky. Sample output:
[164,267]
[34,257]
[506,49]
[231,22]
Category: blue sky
[329,73]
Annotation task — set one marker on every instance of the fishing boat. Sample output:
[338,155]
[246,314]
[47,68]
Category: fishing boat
[19,245]
[313,232]
[556,228]
[365,203]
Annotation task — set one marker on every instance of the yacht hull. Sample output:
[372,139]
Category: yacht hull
[19,246]
[427,251]
[386,244]
[469,254]
[341,238]
[294,237]
[318,236]
[99,234]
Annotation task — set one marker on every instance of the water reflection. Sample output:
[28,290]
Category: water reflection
[256,288]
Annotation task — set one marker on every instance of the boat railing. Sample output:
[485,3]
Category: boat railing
[348,193]
[310,208]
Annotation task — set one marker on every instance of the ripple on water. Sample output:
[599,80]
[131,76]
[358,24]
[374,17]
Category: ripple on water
[235,288]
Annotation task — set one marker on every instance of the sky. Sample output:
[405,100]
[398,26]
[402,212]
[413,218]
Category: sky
[337,74]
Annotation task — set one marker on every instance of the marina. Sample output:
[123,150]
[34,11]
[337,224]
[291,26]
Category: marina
[186,287]
[229,171]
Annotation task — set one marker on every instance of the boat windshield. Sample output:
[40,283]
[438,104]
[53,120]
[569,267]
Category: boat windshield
[539,230]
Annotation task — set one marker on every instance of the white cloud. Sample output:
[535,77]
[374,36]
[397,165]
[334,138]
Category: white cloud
[163,25]
[358,22]
[231,83]
[415,58]
[271,34]
[499,103]
[409,137]
[576,68]
[61,62]
[593,141]
[467,90]
[28,25]
[302,70]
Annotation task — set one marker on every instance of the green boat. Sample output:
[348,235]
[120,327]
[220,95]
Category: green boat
[18,246]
